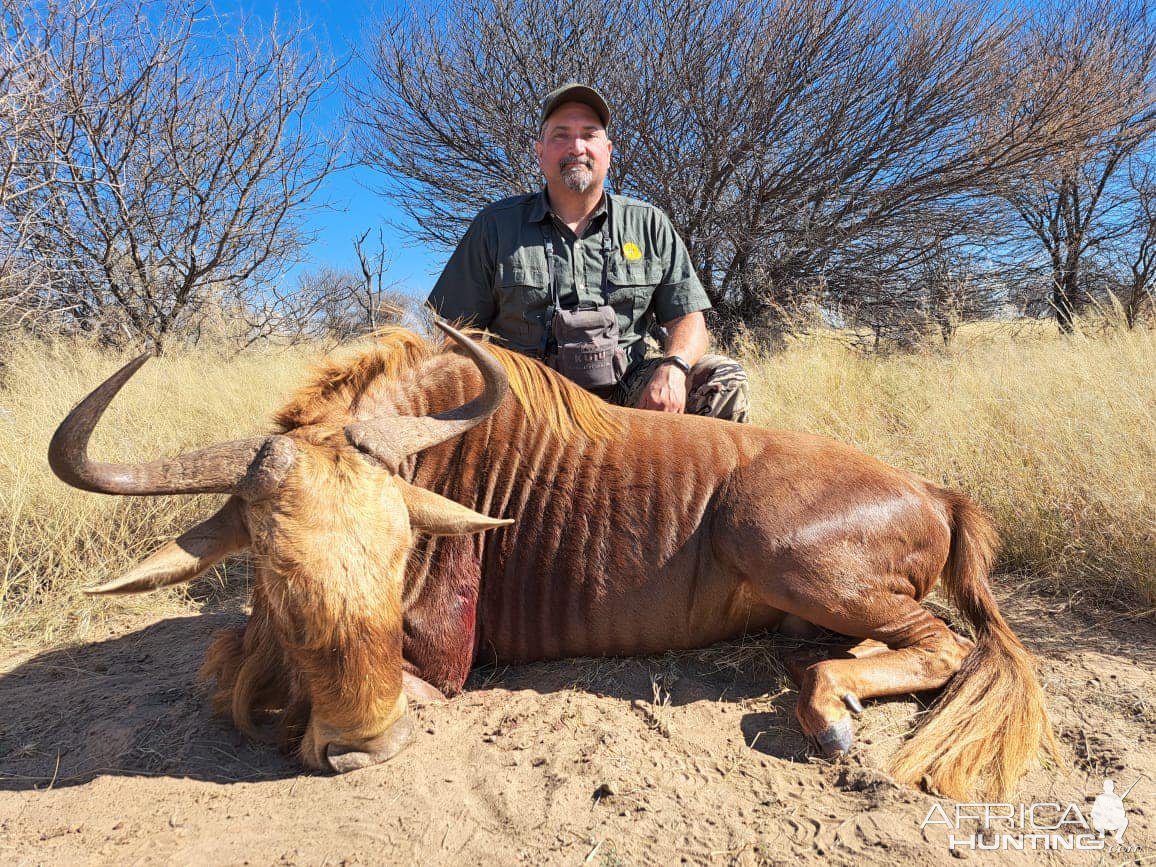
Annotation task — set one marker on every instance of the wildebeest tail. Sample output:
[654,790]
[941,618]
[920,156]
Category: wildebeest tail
[991,720]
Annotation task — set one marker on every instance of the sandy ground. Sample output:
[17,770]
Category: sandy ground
[108,755]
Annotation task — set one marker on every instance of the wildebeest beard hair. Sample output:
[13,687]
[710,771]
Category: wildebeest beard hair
[256,685]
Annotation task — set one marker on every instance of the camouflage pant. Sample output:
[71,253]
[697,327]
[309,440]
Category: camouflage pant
[717,386]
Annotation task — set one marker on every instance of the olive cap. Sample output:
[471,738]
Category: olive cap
[574,92]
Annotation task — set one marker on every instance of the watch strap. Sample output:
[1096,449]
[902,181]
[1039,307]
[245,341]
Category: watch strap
[678,361]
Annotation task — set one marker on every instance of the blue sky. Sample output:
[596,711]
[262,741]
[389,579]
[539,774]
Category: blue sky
[354,206]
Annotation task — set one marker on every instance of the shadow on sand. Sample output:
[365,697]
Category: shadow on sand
[131,706]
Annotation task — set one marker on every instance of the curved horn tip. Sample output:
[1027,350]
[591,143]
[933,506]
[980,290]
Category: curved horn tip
[458,333]
[136,364]
[450,330]
[68,448]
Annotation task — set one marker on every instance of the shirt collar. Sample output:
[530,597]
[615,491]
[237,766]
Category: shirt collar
[540,207]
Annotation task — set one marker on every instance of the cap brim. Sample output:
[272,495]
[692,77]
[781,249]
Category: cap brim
[577,93]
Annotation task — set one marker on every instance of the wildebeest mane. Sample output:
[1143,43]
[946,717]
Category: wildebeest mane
[336,384]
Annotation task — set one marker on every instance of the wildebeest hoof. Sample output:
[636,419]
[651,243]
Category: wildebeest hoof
[384,747]
[852,703]
[836,739]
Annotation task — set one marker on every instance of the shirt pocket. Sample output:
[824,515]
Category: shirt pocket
[630,288]
[522,294]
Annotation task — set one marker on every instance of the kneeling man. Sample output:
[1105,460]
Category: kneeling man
[576,276]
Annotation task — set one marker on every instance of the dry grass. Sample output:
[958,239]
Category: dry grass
[56,540]
[1055,437]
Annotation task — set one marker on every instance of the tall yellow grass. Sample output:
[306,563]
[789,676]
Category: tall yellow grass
[55,540]
[1055,437]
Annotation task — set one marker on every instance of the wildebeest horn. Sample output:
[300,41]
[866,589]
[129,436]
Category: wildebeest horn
[391,439]
[249,468]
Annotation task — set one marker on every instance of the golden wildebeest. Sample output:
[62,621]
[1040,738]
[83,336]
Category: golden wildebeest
[634,533]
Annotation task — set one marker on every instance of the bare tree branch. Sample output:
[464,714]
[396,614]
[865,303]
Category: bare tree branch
[1077,205]
[175,165]
[791,142]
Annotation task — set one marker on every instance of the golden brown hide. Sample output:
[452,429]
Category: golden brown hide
[634,532]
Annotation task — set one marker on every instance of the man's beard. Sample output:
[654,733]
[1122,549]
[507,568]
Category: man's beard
[577,173]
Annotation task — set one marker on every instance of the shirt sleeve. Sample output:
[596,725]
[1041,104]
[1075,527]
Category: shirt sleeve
[465,290]
[680,291]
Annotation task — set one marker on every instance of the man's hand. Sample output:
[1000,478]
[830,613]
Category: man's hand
[666,391]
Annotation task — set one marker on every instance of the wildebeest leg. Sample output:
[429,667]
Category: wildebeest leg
[866,647]
[920,653]
[797,662]
[417,690]
[796,627]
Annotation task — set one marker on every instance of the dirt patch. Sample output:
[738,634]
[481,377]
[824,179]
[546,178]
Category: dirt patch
[107,754]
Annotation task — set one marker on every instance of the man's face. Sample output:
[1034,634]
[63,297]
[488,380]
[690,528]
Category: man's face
[574,150]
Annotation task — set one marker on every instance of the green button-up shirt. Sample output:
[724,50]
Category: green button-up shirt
[497,276]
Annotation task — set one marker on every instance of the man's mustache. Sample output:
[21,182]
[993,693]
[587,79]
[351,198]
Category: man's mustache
[569,161]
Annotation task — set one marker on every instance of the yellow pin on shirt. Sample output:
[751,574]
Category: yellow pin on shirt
[631,252]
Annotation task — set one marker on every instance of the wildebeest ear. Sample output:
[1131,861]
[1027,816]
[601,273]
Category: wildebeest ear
[434,514]
[187,556]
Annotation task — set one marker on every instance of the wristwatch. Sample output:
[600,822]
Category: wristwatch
[678,361]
